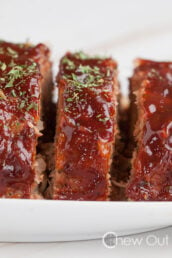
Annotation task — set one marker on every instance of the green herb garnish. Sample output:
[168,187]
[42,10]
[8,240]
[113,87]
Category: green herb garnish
[32,106]
[3,66]
[19,71]
[31,68]
[15,73]
[102,119]
[88,69]
[12,52]
[13,93]
[22,104]
[81,55]
[69,99]
[84,77]
[70,63]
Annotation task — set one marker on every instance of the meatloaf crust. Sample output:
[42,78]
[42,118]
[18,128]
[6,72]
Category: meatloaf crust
[86,128]
[151,174]
[24,71]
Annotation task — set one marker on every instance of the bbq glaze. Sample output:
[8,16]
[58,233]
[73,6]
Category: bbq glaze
[20,80]
[86,127]
[151,175]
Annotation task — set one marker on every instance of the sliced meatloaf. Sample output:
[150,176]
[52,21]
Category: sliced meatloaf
[86,128]
[25,72]
[151,97]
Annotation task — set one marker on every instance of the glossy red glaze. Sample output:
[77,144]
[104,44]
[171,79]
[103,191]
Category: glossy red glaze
[19,112]
[86,128]
[151,175]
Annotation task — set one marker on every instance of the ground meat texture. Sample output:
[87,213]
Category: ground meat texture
[23,72]
[151,174]
[86,128]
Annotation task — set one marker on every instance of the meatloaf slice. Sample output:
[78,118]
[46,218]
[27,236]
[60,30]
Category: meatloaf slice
[86,128]
[151,174]
[24,73]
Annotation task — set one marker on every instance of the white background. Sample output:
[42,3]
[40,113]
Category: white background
[125,29]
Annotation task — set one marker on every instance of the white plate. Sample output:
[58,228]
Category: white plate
[46,221]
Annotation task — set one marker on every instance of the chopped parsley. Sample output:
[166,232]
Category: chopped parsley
[83,76]
[21,93]
[31,68]
[102,119]
[106,90]
[92,78]
[81,55]
[3,66]
[69,63]
[22,104]
[88,69]
[18,71]
[12,52]
[14,75]
[67,109]
[69,99]
[13,93]
[33,105]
